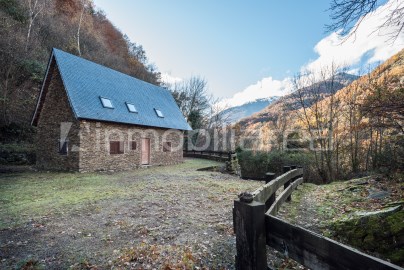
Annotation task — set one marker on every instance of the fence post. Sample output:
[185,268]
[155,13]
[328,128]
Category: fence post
[249,227]
[301,167]
[268,178]
[285,170]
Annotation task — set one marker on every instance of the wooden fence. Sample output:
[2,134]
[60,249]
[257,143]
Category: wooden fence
[214,155]
[256,226]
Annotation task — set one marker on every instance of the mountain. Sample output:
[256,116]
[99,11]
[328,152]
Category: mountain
[234,114]
[336,132]
[310,94]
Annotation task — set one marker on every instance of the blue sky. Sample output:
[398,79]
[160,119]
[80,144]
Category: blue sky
[235,45]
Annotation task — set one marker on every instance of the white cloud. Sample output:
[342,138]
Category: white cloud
[267,87]
[369,40]
[168,79]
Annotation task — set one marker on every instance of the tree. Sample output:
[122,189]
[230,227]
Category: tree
[29,29]
[317,115]
[193,100]
[83,8]
[35,7]
[348,15]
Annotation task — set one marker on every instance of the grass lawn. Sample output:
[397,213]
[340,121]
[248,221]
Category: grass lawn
[173,216]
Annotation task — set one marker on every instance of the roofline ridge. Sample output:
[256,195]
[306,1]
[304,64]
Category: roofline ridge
[114,70]
[42,87]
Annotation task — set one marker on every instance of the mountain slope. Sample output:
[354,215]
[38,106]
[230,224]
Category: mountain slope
[234,114]
[28,34]
[291,102]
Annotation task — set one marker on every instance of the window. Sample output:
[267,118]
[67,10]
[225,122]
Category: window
[106,103]
[159,113]
[63,147]
[166,146]
[133,145]
[116,147]
[131,108]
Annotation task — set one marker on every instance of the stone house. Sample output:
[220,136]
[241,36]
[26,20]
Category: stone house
[91,118]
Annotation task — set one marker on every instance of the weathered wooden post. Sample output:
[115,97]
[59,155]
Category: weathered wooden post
[285,170]
[249,227]
[268,178]
[300,167]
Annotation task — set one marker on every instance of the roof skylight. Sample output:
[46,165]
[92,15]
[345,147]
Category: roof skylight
[131,108]
[106,103]
[159,113]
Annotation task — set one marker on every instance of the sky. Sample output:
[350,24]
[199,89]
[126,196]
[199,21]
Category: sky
[247,49]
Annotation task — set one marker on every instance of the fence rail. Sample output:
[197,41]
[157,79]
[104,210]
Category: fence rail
[256,227]
[215,155]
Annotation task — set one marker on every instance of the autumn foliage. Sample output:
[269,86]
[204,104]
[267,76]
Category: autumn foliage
[30,29]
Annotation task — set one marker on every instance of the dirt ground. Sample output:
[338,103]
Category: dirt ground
[173,217]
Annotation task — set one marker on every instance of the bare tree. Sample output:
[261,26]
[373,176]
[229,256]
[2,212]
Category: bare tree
[349,14]
[317,115]
[35,7]
[216,116]
[193,99]
[83,8]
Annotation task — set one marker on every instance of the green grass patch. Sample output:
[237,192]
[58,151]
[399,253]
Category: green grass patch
[32,195]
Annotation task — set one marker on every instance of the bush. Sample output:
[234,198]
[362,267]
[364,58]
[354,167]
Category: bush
[254,164]
[17,154]
[34,69]
[17,133]
[14,9]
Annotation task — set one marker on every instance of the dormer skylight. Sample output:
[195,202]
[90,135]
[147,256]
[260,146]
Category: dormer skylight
[159,113]
[106,103]
[131,107]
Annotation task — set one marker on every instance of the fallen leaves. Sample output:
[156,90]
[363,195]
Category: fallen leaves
[152,256]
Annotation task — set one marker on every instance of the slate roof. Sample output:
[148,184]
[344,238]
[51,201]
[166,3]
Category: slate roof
[85,82]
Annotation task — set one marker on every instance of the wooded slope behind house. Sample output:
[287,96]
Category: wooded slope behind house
[30,29]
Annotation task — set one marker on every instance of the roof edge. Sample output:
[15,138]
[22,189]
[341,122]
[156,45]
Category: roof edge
[36,112]
[64,85]
[35,117]
[130,124]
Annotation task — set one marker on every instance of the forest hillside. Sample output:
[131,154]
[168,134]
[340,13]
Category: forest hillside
[345,132]
[30,29]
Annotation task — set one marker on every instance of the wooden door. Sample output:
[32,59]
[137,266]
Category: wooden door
[145,151]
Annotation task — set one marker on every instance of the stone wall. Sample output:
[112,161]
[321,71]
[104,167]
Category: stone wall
[95,138]
[89,141]
[56,110]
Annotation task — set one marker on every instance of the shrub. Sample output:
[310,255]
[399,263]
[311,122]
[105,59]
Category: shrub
[17,133]
[254,164]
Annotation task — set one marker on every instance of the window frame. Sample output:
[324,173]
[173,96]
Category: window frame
[102,99]
[120,150]
[159,113]
[129,109]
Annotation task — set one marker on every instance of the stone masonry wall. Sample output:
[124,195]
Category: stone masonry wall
[95,138]
[88,141]
[56,110]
